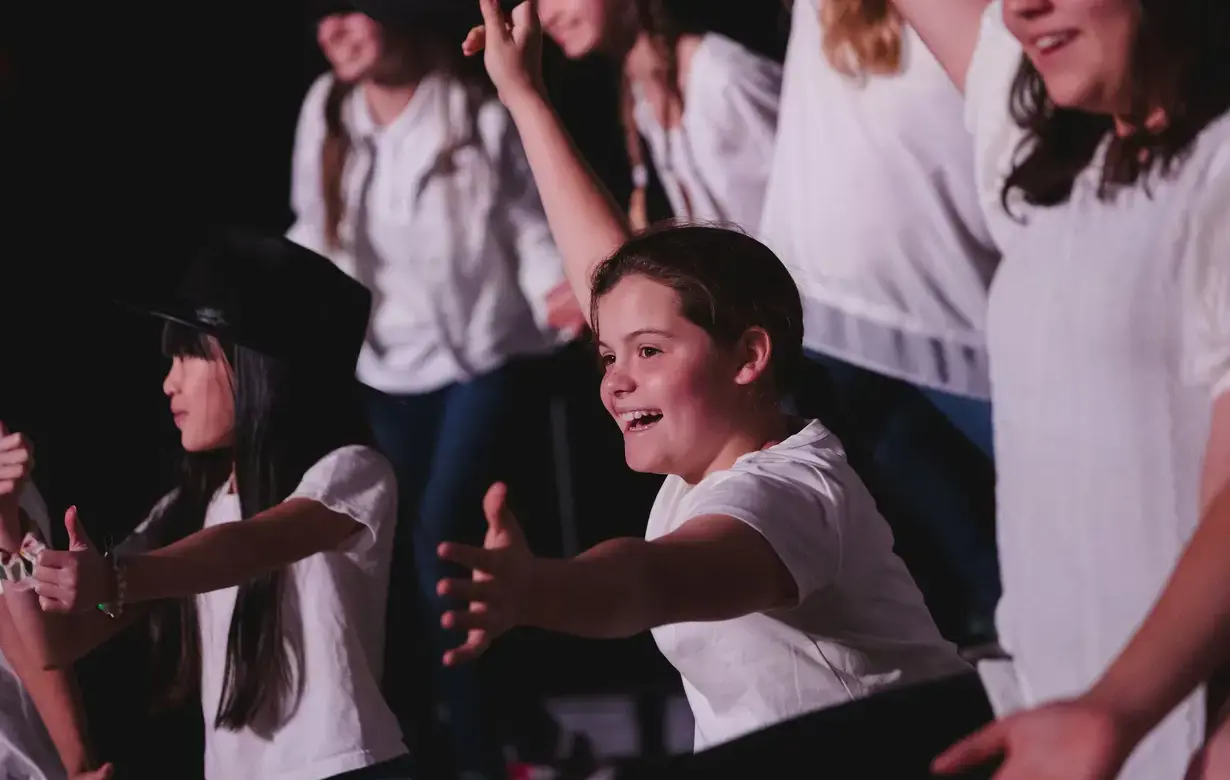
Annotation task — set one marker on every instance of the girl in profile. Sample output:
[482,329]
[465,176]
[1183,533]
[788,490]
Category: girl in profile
[264,572]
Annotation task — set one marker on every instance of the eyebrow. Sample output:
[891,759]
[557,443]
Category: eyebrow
[641,332]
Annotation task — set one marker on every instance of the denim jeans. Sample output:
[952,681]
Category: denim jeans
[442,446]
[927,458]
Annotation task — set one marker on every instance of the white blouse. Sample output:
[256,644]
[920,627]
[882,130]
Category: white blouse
[715,164]
[872,206]
[443,224]
[1109,338]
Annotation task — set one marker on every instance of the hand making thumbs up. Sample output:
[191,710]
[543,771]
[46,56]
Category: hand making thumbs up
[77,579]
[500,584]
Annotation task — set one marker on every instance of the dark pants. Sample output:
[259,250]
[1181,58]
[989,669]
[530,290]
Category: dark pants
[893,735]
[927,458]
[443,446]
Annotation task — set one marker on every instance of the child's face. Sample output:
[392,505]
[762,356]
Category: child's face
[581,27]
[351,43]
[202,401]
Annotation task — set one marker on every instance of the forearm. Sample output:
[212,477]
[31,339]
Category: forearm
[949,28]
[55,696]
[1186,636]
[606,592]
[232,554]
[585,222]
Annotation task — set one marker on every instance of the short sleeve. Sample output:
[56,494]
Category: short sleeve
[736,94]
[150,532]
[539,265]
[1206,284]
[357,482]
[31,502]
[797,517]
[988,90]
[305,196]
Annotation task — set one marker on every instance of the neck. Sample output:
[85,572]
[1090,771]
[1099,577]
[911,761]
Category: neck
[386,101]
[644,62]
[768,426]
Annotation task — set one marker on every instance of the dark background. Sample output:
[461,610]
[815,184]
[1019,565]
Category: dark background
[126,130]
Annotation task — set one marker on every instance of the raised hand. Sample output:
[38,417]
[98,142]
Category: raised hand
[564,313]
[1069,740]
[499,585]
[512,48]
[74,580]
[16,465]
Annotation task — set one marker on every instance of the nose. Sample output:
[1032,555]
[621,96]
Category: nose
[170,384]
[1028,9]
[618,382]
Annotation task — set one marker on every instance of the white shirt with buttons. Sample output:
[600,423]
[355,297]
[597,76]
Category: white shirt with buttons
[443,224]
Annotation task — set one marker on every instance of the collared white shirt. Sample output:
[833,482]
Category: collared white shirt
[443,223]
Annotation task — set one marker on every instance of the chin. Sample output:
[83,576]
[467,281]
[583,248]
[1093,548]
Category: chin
[644,462]
[1074,92]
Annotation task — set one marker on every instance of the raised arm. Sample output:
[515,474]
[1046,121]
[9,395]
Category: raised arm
[949,28]
[585,221]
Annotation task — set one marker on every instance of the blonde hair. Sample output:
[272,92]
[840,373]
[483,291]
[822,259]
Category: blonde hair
[862,37]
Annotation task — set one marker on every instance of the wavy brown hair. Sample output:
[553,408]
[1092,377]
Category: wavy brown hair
[1179,64]
[862,37]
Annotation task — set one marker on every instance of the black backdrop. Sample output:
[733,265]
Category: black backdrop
[126,129]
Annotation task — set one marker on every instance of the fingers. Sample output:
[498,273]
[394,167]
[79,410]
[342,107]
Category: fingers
[474,619]
[77,537]
[467,590]
[474,646]
[475,41]
[493,17]
[53,598]
[104,772]
[15,449]
[464,554]
[525,15]
[974,750]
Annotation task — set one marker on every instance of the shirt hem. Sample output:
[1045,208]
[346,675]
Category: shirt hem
[334,765]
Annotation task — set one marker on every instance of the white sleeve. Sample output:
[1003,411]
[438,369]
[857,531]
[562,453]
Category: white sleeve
[738,94]
[1206,284]
[31,502]
[148,535]
[306,200]
[988,89]
[799,519]
[539,265]
[357,482]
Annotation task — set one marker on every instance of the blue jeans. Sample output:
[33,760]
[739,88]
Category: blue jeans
[927,456]
[442,446]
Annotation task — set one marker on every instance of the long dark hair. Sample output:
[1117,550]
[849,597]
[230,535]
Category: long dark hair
[1178,64]
[287,416]
[409,55]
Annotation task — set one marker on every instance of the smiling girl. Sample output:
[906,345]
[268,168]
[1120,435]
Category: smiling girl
[265,572]
[766,574]
[1102,135]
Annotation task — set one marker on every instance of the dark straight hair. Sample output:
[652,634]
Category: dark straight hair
[288,415]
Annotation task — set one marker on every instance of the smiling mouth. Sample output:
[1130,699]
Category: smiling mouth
[639,420]
[1048,44]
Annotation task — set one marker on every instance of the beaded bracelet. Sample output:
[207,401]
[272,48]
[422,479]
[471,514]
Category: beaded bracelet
[114,609]
[17,569]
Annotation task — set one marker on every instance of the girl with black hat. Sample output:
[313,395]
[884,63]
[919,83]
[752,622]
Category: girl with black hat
[410,176]
[265,572]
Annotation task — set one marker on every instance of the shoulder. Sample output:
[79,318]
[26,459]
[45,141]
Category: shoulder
[350,468]
[314,100]
[717,64]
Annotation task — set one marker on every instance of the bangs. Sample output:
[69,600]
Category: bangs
[179,340]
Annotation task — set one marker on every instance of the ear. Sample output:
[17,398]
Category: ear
[755,354]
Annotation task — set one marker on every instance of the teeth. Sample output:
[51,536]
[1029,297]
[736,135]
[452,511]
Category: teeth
[1047,42]
[635,415]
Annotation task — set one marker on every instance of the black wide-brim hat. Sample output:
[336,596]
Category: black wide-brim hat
[271,295]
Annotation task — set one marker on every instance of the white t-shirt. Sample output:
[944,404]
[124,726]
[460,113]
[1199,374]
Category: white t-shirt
[443,223]
[872,206]
[1109,335]
[721,151]
[26,749]
[333,612]
[860,623]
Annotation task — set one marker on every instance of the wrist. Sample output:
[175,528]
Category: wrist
[526,100]
[1130,719]
[533,604]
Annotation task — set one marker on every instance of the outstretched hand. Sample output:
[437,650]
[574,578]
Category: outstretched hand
[1068,740]
[499,585]
[74,580]
[512,48]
